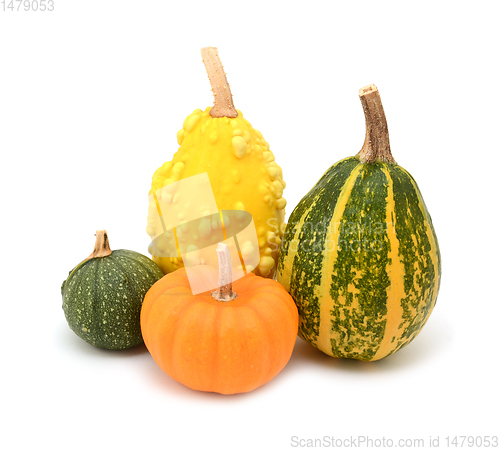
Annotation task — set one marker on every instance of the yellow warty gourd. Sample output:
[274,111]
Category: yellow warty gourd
[241,168]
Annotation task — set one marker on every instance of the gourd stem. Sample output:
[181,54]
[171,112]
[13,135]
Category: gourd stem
[224,291]
[376,147]
[223,100]
[101,248]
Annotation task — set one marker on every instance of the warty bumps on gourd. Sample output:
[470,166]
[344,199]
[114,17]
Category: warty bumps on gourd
[242,170]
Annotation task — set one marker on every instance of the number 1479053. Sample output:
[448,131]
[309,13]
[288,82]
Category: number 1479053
[27,5]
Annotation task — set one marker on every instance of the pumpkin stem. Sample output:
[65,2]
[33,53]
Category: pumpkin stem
[376,147]
[224,292]
[223,100]
[101,248]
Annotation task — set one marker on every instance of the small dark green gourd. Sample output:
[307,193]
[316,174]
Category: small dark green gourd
[102,296]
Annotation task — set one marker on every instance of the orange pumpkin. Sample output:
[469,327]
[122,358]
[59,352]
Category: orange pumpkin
[216,342]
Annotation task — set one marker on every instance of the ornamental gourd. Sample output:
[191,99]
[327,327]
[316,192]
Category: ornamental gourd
[360,256]
[225,342]
[241,168]
[102,296]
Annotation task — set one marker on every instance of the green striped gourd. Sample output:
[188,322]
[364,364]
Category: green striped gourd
[102,296]
[360,256]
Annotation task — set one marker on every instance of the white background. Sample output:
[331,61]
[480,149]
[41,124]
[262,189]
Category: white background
[91,98]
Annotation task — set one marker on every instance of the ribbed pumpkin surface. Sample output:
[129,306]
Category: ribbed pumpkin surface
[102,298]
[361,260]
[224,347]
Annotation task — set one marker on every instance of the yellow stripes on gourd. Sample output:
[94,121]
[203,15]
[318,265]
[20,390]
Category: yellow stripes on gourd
[395,271]
[433,252]
[287,265]
[330,252]
[434,258]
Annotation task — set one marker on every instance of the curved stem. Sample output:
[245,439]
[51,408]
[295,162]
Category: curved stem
[376,147]
[224,292]
[223,100]
[101,248]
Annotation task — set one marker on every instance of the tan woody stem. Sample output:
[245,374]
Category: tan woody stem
[101,248]
[376,147]
[223,100]
[224,292]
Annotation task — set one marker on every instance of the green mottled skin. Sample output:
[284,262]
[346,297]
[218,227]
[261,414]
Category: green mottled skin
[312,240]
[361,278]
[102,298]
[410,219]
[361,262]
